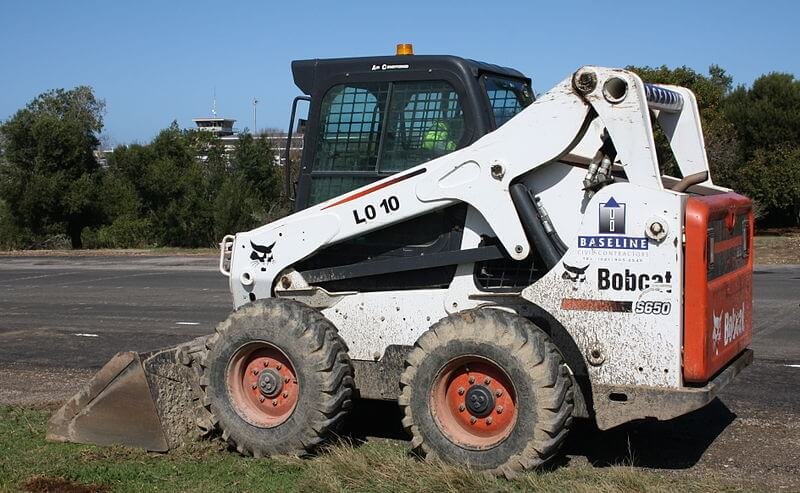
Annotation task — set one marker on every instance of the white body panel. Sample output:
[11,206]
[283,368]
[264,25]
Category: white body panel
[599,314]
[636,349]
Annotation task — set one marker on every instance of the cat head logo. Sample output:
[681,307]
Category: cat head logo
[716,334]
[261,255]
[576,275]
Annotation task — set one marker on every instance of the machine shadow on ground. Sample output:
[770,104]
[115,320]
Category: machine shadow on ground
[678,443]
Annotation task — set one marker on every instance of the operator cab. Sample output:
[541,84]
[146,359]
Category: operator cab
[372,117]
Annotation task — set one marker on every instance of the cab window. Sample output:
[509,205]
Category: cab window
[507,97]
[350,128]
[359,143]
[425,121]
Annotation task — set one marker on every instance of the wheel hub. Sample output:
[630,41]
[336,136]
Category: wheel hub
[270,383]
[474,402]
[262,384]
[479,401]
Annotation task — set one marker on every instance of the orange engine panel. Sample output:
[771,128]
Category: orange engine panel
[718,290]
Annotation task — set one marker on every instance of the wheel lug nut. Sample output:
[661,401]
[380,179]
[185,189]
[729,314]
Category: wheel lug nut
[266,363]
[286,380]
[461,408]
[499,409]
[261,398]
[254,386]
[461,391]
[487,380]
[472,420]
[255,372]
[471,379]
[274,402]
[489,420]
[498,392]
[285,395]
[279,366]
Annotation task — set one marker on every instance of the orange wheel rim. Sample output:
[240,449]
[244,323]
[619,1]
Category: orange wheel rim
[474,403]
[262,384]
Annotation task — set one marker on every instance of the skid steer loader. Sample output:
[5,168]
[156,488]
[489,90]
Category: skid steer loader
[498,265]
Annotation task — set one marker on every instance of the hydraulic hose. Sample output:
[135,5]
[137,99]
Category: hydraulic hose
[532,224]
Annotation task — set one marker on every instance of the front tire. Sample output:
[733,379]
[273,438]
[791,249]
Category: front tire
[487,389]
[278,378]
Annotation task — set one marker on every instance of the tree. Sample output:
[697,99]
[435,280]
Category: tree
[254,160]
[170,184]
[767,115]
[49,177]
[186,189]
[766,118]
[772,178]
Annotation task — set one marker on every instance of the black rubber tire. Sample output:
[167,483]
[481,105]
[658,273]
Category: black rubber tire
[320,360]
[540,377]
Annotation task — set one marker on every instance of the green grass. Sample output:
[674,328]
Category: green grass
[29,462]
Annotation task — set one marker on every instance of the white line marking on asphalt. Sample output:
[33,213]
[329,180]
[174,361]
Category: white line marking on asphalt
[187,323]
[82,334]
[793,366]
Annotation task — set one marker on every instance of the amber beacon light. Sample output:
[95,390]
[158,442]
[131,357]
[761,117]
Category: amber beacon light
[405,49]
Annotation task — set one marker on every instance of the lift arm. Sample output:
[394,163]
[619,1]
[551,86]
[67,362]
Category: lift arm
[479,175]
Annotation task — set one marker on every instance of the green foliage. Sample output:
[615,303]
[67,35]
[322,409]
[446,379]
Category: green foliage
[49,177]
[235,207]
[253,161]
[772,179]
[767,115]
[184,189]
[12,236]
[125,231]
[767,121]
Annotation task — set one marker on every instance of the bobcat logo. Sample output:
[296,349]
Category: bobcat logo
[716,334]
[261,255]
[576,275]
[727,326]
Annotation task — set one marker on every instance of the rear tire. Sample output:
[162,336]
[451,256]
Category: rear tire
[487,389]
[278,379]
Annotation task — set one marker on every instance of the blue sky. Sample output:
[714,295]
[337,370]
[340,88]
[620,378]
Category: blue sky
[155,61]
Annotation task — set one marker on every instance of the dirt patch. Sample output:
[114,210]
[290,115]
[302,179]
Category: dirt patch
[778,248]
[44,484]
[43,388]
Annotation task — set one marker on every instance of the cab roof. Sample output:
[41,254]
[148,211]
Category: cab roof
[308,72]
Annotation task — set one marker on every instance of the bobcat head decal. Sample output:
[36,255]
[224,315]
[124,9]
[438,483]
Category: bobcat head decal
[576,275]
[716,334]
[261,254]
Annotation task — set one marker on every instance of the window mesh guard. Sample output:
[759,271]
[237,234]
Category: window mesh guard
[358,143]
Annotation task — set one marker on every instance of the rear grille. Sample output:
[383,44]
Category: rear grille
[727,250]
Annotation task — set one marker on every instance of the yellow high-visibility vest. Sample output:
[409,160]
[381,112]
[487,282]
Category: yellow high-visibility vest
[437,138]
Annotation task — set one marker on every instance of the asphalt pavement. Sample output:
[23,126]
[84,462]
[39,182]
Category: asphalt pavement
[77,312]
[62,318]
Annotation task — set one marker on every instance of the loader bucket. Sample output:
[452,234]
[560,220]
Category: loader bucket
[149,401]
